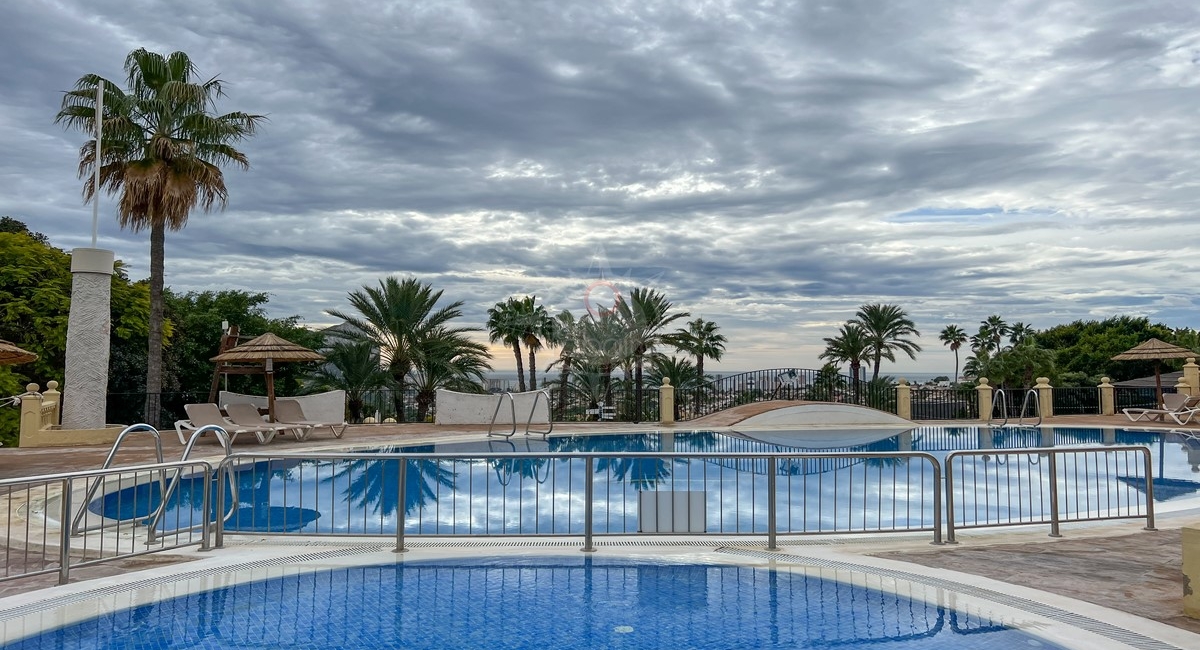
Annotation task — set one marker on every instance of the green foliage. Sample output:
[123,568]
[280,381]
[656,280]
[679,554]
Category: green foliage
[886,329]
[1088,346]
[8,224]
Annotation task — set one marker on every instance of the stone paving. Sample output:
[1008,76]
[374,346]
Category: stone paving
[1115,566]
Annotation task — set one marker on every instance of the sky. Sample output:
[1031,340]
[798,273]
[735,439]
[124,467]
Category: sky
[769,166]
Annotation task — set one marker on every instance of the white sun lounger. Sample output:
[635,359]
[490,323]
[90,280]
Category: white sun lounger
[290,411]
[1178,406]
[245,414]
[200,415]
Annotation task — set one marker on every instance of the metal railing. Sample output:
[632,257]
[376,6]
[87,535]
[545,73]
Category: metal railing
[781,384]
[936,403]
[1048,486]
[40,509]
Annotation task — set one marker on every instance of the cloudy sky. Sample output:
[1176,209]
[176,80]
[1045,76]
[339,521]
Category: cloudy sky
[768,165]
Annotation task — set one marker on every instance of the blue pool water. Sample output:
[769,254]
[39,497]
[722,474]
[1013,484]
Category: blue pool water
[539,604]
[540,495]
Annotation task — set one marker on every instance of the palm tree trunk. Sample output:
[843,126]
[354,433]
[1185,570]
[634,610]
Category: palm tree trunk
[878,360]
[532,370]
[562,388]
[954,379]
[400,376]
[158,233]
[700,366]
[520,367]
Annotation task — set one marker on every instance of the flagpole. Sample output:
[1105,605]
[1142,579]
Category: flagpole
[96,179]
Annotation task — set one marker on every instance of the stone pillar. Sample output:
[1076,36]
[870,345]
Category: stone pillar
[985,399]
[1191,571]
[54,397]
[86,376]
[1191,374]
[666,402]
[1045,393]
[31,410]
[1182,387]
[904,399]
[1108,397]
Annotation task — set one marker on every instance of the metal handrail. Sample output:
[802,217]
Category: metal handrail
[1052,481]
[95,484]
[223,438]
[1037,403]
[1002,398]
[533,409]
[512,406]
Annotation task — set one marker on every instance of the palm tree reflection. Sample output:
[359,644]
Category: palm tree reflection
[373,482]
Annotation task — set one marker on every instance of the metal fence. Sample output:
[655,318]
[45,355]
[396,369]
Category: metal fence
[1047,486]
[935,403]
[53,526]
[1077,400]
[692,402]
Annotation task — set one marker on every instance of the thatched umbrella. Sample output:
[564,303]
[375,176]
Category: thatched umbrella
[267,349]
[1155,350]
[11,354]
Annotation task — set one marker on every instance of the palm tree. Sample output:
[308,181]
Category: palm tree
[399,318]
[565,335]
[354,368]
[701,340]
[448,360]
[162,152]
[850,346]
[504,326]
[1019,332]
[682,374]
[886,327]
[953,337]
[645,315]
[992,331]
[602,344]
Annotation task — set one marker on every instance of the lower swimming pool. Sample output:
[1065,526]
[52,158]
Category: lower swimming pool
[550,602]
[542,495]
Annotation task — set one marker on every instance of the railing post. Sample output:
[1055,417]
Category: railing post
[1149,487]
[588,492]
[772,524]
[1054,494]
[64,535]
[1045,393]
[666,402]
[206,517]
[219,528]
[937,502]
[985,399]
[1108,398]
[400,495]
[949,499]
[1191,374]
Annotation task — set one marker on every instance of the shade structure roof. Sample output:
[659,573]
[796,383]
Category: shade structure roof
[11,354]
[1154,349]
[268,346]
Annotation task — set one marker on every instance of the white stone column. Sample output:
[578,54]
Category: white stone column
[85,386]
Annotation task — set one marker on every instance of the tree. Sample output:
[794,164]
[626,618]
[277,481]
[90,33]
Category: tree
[701,340]
[352,366]
[1018,332]
[992,331]
[953,337]
[8,224]
[602,345]
[684,376]
[504,326]
[162,151]
[850,346]
[886,328]
[448,360]
[565,336]
[399,318]
[645,314]
[1021,364]
[1088,346]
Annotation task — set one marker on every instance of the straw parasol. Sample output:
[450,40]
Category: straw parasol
[11,354]
[267,349]
[1155,350]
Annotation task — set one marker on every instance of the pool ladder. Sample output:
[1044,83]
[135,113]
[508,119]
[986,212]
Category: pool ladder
[1001,399]
[165,489]
[512,408]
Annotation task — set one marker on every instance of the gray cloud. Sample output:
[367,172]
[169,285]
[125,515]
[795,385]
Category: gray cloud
[770,166]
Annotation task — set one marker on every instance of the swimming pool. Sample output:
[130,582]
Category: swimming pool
[529,494]
[550,602]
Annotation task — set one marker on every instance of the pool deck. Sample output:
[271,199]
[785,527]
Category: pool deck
[1116,565]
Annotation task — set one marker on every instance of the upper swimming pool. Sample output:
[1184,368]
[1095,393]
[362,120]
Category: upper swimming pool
[537,603]
[540,495]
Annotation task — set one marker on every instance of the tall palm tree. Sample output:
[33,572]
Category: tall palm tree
[504,326]
[354,368]
[399,318]
[603,344]
[992,330]
[1018,332]
[682,374]
[886,328]
[162,151]
[565,335]
[953,337]
[850,346]
[645,315]
[701,340]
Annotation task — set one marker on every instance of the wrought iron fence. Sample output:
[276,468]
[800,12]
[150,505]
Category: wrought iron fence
[936,403]
[1138,396]
[692,402]
[1077,400]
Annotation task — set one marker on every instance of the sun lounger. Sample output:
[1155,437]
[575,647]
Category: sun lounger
[290,411]
[201,415]
[246,415]
[1179,407]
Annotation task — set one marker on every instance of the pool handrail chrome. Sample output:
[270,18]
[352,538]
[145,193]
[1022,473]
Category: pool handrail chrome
[108,461]
[512,404]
